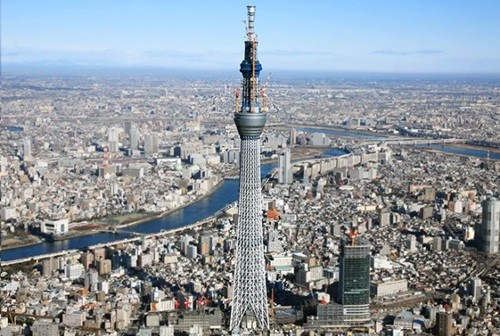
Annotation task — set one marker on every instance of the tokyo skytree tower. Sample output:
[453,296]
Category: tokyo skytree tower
[249,305]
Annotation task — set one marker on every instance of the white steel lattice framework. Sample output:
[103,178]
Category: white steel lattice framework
[249,305]
[250,296]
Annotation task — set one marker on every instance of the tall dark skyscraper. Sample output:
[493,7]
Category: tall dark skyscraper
[249,307]
[354,285]
[352,306]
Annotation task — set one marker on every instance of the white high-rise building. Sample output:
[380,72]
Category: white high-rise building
[113,139]
[112,134]
[488,232]
[134,138]
[285,173]
[3,165]
[151,144]
[292,138]
[27,148]
[74,271]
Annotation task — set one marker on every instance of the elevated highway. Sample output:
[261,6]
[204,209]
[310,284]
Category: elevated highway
[414,141]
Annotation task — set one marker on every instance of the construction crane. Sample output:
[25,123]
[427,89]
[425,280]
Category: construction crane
[352,234]
[264,93]
[271,311]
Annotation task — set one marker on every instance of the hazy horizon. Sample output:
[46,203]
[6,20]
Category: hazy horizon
[229,74]
[386,36]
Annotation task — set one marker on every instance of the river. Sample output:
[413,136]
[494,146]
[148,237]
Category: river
[15,129]
[198,211]
[463,151]
[342,133]
[208,206]
[441,148]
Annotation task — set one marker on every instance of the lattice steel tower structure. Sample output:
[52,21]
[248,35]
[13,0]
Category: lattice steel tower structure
[249,306]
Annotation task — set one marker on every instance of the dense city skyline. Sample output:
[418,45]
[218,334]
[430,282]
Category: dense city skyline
[151,192]
[388,36]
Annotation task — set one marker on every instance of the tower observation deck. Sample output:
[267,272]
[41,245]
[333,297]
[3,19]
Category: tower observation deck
[249,306]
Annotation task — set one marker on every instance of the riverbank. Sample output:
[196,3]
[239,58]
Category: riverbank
[373,133]
[168,212]
[12,245]
[481,148]
[342,129]
[437,151]
[195,226]
[298,153]
[75,233]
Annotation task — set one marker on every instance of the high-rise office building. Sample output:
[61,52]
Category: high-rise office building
[411,243]
[488,232]
[354,280]
[113,134]
[134,138]
[285,173]
[113,140]
[3,165]
[151,143]
[475,288]
[292,138]
[444,324]
[27,148]
[351,308]
[249,306]
[127,126]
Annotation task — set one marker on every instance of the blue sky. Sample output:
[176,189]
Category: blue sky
[360,35]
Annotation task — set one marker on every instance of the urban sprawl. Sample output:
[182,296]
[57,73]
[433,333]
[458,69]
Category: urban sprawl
[389,236]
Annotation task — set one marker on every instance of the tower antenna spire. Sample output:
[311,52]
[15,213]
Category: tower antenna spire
[251,22]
